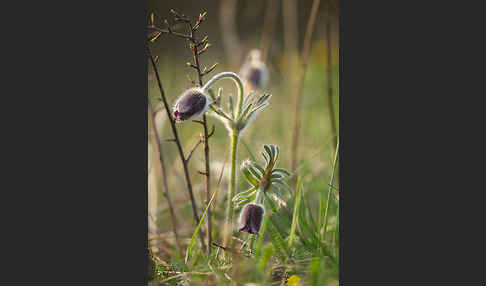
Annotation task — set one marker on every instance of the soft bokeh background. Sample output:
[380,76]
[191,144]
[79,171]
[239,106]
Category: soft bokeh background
[230,43]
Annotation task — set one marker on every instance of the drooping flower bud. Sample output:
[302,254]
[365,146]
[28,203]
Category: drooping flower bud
[254,71]
[191,104]
[251,218]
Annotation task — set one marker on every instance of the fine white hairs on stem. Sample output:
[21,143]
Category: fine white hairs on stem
[191,104]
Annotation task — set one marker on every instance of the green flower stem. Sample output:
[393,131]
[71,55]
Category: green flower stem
[238,83]
[232,187]
[259,198]
[234,146]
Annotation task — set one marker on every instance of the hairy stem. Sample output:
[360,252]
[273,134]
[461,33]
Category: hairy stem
[232,187]
[239,84]
[178,143]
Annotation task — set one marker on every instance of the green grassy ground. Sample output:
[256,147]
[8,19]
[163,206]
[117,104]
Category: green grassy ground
[313,251]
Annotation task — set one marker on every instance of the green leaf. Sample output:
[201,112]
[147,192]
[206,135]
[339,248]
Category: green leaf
[276,151]
[282,171]
[249,98]
[244,194]
[255,111]
[276,176]
[255,171]
[258,167]
[245,111]
[248,200]
[283,184]
[193,239]
[220,112]
[280,187]
[276,196]
[249,176]
[269,152]
[267,159]
[264,98]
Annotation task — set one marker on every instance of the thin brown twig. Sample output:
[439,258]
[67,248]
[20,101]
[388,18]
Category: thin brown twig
[178,143]
[193,149]
[303,68]
[205,127]
[164,176]
[164,31]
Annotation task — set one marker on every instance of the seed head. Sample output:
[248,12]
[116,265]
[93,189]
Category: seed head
[191,104]
[251,218]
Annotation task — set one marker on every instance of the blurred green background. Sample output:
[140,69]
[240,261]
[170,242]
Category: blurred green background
[246,22]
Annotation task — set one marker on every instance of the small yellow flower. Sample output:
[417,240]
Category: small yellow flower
[293,280]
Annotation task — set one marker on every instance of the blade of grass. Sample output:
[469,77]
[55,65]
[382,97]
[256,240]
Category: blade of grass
[295,217]
[196,231]
[248,149]
[329,191]
[334,244]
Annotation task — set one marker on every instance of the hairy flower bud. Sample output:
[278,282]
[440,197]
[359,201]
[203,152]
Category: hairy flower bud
[254,71]
[251,218]
[192,103]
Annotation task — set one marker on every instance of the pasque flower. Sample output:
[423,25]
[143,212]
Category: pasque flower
[254,70]
[194,102]
[251,218]
[191,104]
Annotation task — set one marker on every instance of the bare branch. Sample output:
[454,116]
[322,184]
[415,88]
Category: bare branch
[176,139]
[164,31]
[209,70]
[198,121]
[212,132]
[193,149]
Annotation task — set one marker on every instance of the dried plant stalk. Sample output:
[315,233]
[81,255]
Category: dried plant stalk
[178,143]
[300,83]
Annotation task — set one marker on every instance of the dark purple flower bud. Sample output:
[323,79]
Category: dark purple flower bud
[254,71]
[192,103]
[251,218]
